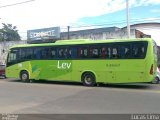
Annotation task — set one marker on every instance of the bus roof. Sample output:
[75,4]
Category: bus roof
[82,41]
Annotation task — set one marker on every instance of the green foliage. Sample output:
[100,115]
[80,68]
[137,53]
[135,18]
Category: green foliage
[9,33]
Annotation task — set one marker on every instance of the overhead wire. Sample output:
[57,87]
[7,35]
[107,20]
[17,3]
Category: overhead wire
[16,3]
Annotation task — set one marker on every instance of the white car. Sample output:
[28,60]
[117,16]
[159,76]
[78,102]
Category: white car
[157,78]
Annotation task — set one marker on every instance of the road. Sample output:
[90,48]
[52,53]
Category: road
[74,98]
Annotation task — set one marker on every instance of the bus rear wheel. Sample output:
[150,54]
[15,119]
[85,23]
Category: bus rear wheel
[88,79]
[24,76]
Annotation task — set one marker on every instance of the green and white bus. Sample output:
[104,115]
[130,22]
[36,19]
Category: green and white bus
[86,61]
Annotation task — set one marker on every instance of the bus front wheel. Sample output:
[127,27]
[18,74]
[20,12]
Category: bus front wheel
[88,79]
[24,76]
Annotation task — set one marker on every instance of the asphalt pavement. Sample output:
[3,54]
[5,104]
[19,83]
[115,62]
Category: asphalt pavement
[73,98]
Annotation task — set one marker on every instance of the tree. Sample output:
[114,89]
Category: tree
[9,33]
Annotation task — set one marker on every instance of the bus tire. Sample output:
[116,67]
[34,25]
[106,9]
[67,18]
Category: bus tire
[88,79]
[24,76]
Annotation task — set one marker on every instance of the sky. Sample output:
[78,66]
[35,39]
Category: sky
[36,14]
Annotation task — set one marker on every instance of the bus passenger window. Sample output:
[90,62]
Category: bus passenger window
[79,52]
[85,52]
[37,53]
[141,51]
[122,51]
[127,52]
[69,53]
[73,52]
[61,53]
[109,53]
[103,52]
[49,53]
[82,52]
[137,51]
[23,54]
[53,53]
[29,53]
[114,53]
[94,52]
[66,53]
[44,53]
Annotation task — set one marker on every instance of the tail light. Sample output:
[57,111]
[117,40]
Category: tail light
[152,70]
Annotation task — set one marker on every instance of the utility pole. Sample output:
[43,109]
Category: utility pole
[68,29]
[128,17]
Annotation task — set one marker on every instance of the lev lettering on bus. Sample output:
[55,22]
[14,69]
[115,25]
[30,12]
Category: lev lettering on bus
[63,65]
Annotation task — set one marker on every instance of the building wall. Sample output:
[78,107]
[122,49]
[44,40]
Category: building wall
[112,34]
[4,47]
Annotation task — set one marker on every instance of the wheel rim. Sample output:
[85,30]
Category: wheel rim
[88,80]
[157,80]
[24,77]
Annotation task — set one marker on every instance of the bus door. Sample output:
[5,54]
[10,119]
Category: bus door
[12,66]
